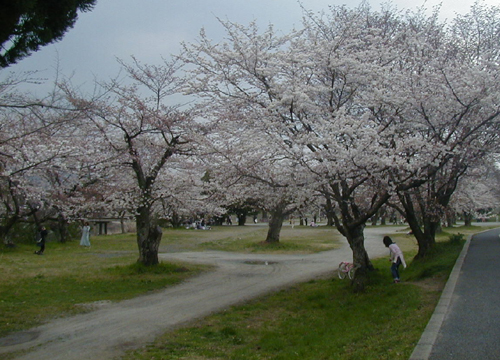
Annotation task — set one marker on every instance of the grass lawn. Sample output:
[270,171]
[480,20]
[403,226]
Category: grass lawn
[69,279]
[320,319]
[301,239]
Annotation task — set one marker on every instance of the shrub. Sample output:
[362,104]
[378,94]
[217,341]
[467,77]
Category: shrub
[456,238]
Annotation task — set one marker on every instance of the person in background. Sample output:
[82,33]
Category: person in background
[85,240]
[40,241]
[396,257]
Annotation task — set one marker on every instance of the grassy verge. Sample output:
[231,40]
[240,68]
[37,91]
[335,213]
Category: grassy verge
[69,279]
[320,319]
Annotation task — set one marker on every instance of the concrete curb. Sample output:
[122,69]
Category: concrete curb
[424,346]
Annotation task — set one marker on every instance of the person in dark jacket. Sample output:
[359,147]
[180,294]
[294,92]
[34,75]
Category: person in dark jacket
[40,241]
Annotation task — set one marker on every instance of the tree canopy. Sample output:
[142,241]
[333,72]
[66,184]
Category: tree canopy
[358,110]
[27,25]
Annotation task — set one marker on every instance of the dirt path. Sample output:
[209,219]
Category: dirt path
[109,331]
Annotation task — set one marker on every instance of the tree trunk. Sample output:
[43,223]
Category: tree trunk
[375,218]
[7,225]
[450,219]
[436,228]
[242,217]
[329,211]
[424,244]
[275,224]
[148,237]
[425,239]
[62,225]
[467,219]
[361,260]
[176,220]
[352,225]
[383,215]
[122,225]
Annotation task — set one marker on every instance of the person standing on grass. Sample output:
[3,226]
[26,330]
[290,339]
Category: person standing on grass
[42,235]
[396,258]
[85,240]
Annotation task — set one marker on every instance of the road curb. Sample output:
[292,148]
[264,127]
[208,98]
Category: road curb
[424,346]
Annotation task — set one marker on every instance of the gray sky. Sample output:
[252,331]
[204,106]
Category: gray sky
[150,29]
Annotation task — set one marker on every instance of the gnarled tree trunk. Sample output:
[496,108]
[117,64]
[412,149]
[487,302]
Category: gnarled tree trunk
[330,212]
[467,218]
[356,239]
[62,225]
[148,237]
[275,224]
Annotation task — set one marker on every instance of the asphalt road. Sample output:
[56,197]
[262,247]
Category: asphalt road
[466,322]
[471,330]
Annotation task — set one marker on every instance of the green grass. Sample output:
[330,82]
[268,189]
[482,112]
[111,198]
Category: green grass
[439,260]
[250,239]
[69,279]
[321,319]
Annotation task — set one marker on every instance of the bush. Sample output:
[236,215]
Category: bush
[456,238]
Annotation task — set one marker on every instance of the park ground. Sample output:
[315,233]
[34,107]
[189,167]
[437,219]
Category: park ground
[90,285]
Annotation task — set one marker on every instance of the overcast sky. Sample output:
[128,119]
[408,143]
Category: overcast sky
[150,29]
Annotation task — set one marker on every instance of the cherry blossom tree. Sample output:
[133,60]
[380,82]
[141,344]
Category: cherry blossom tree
[370,103]
[148,142]
[451,100]
[475,192]
[29,147]
[247,167]
[305,89]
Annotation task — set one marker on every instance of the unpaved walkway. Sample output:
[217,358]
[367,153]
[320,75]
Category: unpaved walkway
[109,331]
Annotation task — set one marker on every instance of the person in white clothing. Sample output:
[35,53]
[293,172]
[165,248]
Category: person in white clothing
[85,240]
[396,257]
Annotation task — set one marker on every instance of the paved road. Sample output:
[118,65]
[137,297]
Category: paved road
[466,323]
[114,328]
